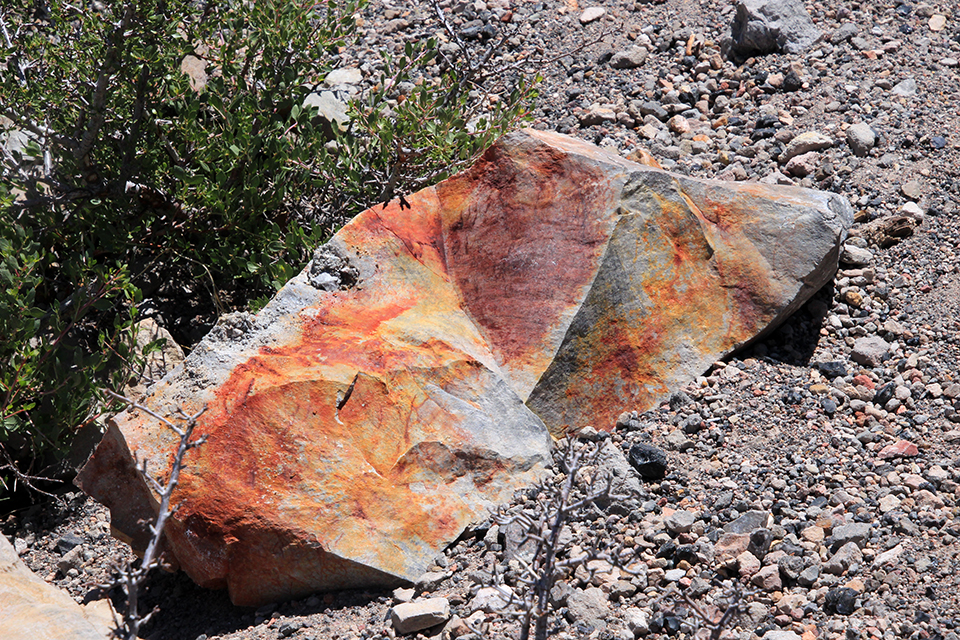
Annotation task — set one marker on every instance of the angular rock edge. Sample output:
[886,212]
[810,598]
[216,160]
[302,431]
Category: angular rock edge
[404,382]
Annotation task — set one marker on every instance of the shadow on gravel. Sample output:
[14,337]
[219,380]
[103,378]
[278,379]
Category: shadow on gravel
[795,341]
[186,611]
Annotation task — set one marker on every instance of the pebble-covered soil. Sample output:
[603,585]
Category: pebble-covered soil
[812,480]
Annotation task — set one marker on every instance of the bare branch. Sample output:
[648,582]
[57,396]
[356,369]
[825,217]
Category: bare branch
[133,578]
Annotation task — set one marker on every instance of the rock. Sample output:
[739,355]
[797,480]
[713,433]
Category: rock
[906,87]
[911,189]
[841,600]
[342,76]
[760,541]
[768,578]
[31,609]
[70,560]
[937,22]
[847,556]
[887,504]
[649,461]
[747,564]
[195,70]
[870,351]
[900,449]
[768,26]
[679,521]
[413,616]
[332,112]
[803,165]
[164,356]
[597,115]
[362,423]
[674,575]
[833,368]
[629,58]
[491,599]
[809,576]
[790,568]
[780,634]
[856,256]
[640,109]
[805,143]
[890,556]
[592,14]
[589,606]
[844,33]
[750,522]
[884,394]
[402,594]
[855,532]
[430,580]
[731,545]
[637,620]
[68,542]
[614,465]
[861,138]
[678,124]
[677,440]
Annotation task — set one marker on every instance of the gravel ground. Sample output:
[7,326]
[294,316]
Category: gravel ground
[834,453]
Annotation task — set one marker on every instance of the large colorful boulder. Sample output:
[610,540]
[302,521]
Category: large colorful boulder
[411,376]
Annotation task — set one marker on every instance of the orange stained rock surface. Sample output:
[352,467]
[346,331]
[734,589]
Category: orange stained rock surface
[331,425]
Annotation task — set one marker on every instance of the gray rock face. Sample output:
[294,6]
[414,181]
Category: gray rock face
[768,26]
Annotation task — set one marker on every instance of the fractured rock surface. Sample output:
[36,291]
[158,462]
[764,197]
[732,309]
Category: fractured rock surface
[407,379]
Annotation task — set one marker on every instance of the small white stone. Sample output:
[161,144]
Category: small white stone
[592,14]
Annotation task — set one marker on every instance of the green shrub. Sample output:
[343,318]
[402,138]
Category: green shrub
[126,178]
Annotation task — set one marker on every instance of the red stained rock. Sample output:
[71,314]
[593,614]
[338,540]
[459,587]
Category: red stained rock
[405,381]
[901,449]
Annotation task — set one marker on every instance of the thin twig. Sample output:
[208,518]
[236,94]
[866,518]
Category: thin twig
[132,579]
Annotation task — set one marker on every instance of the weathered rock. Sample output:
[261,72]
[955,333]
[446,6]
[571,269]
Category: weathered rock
[31,609]
[158,361]
[846,556]
[750,522]
[841,600]
[679,521]
[870,351]
[638,621]
[589,606]
[899,449]
[408,617]
[861,138]
[649,461]
[399,386]
[856,532]
[491,599]
[628,58]
[766,26]
[806,142]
